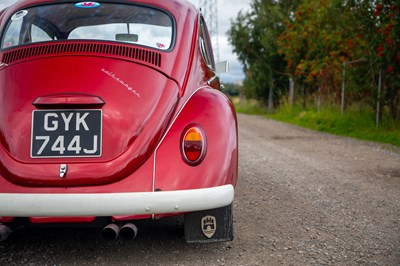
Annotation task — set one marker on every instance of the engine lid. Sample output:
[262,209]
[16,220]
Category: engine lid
[99,117]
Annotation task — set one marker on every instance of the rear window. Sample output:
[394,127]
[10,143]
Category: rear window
[127,23]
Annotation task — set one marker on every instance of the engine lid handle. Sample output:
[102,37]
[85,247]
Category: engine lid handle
[68,99]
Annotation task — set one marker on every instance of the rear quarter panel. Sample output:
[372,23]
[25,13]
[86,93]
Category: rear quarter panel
[214,113]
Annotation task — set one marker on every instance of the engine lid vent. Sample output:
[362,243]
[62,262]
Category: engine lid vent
[79,48]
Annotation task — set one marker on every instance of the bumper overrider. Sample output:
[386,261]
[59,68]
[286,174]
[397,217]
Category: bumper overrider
[114,204]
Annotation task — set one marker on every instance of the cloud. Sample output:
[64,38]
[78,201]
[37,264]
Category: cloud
[5,3]
[228,11]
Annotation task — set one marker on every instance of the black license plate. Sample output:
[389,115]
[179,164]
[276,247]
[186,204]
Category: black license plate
[66,133]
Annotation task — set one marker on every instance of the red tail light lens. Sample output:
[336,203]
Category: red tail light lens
[193,145]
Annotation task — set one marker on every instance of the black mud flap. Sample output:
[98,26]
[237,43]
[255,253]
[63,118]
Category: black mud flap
[209,226]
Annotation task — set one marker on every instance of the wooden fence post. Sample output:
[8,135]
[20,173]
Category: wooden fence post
[291,91]
[378,100]
[343,88]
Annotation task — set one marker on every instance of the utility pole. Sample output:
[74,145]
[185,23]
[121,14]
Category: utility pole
[209,9]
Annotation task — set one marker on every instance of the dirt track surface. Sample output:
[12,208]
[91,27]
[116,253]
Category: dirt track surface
[303,198]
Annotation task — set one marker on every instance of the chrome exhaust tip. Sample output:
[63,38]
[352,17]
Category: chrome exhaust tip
[128,232]
[110,232]
[5,232]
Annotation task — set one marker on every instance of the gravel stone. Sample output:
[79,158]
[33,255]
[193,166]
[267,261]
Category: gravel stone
[303,198]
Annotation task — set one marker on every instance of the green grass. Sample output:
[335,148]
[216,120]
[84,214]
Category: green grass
[250,107]
[355,122]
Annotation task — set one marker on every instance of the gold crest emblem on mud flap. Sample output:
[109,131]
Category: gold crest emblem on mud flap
[208,225]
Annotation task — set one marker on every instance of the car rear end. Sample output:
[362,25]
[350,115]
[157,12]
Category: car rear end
[88,99]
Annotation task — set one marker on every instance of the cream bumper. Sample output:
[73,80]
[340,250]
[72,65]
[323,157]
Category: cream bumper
[114,204]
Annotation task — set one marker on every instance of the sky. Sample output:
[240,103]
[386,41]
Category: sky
[227,11]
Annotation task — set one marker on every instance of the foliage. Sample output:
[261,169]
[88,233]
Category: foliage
[357,122]
[315,42]
[378,23]
[383,32]
[250,107]
[231,89]
[318,40]
[253,36]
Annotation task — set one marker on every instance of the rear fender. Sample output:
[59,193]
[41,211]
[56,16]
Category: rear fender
[214,113]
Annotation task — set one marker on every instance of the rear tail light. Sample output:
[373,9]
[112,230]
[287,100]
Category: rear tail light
[193,145]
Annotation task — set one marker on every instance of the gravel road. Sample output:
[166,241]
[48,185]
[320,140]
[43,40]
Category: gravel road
[303,198]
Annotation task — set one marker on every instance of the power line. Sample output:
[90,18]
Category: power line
[210,12]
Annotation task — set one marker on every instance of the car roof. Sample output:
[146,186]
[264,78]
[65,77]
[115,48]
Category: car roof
[176,61]
[180,9]
[173,6]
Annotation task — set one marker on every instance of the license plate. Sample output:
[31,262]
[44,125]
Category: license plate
[66,133]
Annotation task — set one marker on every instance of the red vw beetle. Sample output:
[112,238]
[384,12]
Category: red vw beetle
[111,112]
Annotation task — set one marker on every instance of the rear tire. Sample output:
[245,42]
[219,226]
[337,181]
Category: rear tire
[207,226]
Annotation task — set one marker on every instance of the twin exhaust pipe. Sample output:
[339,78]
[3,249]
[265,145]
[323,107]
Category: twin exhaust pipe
[112,232]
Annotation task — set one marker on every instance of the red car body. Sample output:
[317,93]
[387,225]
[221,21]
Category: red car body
[145,108]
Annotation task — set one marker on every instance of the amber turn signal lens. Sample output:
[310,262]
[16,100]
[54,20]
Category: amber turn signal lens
[193,145]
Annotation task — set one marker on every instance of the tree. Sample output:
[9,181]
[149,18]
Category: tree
[231,89]
[384,36]
[313,41]
[253,36]
[317,42]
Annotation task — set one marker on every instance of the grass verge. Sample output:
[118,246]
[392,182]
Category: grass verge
[355,122]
